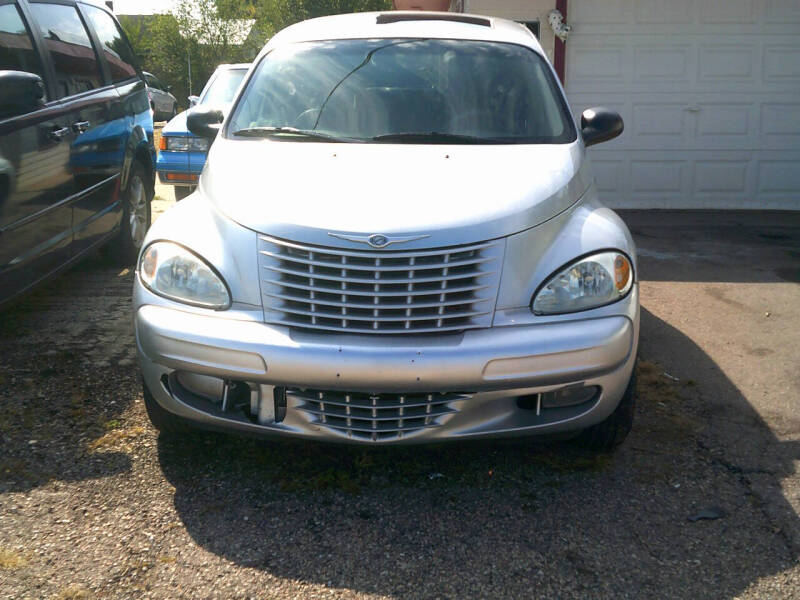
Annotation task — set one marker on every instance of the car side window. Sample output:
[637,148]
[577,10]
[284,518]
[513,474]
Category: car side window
[16,49]
[74,59]
[119,55]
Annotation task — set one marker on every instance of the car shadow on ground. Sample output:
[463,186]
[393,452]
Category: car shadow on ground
[503,519]
[65,377]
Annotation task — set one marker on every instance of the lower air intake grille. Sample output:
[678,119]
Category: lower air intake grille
[375,417]
[379,291]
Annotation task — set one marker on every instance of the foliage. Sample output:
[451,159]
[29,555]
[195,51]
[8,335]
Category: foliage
[209,32]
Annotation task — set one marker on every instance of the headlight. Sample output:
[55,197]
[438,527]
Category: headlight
[182,143]
[176,273]
[590,282]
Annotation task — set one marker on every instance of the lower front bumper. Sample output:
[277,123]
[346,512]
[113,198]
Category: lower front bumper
[491,369]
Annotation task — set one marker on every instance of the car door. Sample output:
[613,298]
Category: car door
[37,184]
[157,94]
[89,100]
[163,98]
[129,110]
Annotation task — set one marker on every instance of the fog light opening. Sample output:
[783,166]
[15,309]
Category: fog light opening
[569,396]
[530,402]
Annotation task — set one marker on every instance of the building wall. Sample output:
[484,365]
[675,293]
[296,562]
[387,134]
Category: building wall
[519,10]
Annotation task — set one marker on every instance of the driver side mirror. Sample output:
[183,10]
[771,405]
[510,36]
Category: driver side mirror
[205,121]
[193,100]
[168,88]
[20,93]
[600,125]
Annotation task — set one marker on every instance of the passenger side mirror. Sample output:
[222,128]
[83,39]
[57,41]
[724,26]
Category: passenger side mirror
[193,100]
[20,93]
[168,88]
[204,121]
[600,125]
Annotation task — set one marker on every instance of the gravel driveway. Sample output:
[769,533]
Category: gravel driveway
[94,504]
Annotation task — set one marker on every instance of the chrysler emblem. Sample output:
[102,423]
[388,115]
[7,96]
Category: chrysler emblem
[378,240]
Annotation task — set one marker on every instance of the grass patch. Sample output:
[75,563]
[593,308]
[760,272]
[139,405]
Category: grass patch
[10,559]
[115,437]
[73,592]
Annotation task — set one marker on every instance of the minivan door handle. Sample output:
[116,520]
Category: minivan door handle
[81,126]
[58,134]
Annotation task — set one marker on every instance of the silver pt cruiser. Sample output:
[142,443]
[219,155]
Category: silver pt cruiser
[396,239]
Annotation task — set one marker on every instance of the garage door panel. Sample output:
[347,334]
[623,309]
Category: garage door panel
[662,63]
[725,123]
[673,12]
[723,176]
[780,123]
[782,63]
[710,95]
[726,62]
[727,11]
[782,11]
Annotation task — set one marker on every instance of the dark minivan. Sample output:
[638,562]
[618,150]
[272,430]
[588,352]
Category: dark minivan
[76,140]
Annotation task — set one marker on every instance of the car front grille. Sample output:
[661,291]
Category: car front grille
[375,417]
[379,291]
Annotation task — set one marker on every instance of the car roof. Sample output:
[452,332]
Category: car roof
[406,24]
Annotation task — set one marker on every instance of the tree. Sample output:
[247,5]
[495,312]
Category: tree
[211,32]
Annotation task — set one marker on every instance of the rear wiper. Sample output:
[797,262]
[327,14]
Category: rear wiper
[293,131]
[433,137]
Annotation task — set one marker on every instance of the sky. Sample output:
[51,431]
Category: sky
[142,7]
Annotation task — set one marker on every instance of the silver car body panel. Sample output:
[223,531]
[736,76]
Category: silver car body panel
[537,203]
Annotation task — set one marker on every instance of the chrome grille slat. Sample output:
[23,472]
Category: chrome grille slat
[370,293]
[375,417]
[327,414]
[356,267]
[396,306]
[379,291]
[351,329]
[376,278]
[354,317]
[370,254]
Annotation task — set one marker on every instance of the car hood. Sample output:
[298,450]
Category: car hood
[305,191]
[177,125]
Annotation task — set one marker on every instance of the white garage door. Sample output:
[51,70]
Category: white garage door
[710,94]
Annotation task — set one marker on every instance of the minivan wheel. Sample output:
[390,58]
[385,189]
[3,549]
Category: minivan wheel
[608,434]
[135,217]
[163,420]
[181,191]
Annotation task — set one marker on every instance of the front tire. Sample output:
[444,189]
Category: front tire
[163,420]
[135,217]
[174,110]
[608,434]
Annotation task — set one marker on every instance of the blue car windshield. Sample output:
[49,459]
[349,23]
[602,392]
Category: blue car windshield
[405,91]
[223,86]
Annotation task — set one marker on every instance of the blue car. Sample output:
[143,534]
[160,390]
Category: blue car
[182,154]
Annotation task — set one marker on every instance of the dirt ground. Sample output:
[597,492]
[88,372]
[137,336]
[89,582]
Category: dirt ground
[95,504]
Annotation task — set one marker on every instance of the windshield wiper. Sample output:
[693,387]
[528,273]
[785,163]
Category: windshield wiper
[433,137]
[293,131]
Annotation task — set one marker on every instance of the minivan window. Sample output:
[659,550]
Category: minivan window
[405,91]
[223,87]
[16,48]
[119,55]
[74,58]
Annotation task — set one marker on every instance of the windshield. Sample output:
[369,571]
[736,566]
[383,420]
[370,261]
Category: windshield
[223,86]
[412,91]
